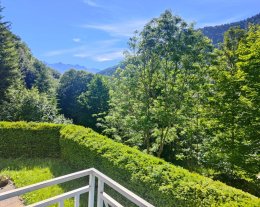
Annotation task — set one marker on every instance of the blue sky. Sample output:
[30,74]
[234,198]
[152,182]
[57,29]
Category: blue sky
[94,33]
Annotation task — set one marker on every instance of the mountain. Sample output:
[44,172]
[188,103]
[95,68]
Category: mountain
[62,67]
[108,71]
[111,70]
[216,33]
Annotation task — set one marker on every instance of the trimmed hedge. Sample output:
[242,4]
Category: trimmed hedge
[21,139]
[157,181]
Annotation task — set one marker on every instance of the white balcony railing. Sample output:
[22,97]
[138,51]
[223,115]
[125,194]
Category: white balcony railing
[102,197]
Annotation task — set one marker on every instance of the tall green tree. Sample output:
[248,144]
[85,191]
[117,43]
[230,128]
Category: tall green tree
[44,80]
[9,59]
[95,101]
[72,84]
[249,62]
[234,144]
[165,67]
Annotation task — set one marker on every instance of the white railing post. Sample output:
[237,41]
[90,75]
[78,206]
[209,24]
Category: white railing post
[76,200]
[99,193]
[61,203]
[91,190]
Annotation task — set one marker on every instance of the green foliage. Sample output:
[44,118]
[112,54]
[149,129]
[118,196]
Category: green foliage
[9,71]
[35,73]
[157,181]
[72,84]
[95,101]
[29,105]
[21,139]
[234,106]
[232,145]
[44,80]
[158,96]
[249,62]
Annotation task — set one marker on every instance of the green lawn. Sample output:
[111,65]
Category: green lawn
[24,172]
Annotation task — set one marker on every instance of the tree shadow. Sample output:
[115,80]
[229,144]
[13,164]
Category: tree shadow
[57,168]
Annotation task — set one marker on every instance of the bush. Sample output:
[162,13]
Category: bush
[157,181]
[21,139]
[30,105]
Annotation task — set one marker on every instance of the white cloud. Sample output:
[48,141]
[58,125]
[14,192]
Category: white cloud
[118,29]
[114,54]
[109,56]
[100,51]
[76,39]
[62,51]
[91,3]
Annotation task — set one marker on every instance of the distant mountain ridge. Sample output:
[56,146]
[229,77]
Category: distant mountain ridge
[216,33]
[62,67]
[108,71]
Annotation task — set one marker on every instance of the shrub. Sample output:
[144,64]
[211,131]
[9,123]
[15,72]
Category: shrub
[157,181]
[21,139]
[30,105]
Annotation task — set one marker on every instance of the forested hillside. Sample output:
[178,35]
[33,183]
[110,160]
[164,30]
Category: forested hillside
[111,70]
[216,33]
[175,96]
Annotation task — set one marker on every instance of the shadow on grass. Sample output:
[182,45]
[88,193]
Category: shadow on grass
[57,167]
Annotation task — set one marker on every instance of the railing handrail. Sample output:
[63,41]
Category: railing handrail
[92,172]
[47,183]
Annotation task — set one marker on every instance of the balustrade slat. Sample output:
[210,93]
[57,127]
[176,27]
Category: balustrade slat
[61,203]
[99,192]
[76,200]
[91,190]
[61,197]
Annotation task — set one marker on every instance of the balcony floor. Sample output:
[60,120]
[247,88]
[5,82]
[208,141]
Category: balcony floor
[11,202]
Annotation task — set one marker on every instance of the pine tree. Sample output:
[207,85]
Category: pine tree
[9,70]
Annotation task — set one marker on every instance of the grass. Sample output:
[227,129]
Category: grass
[25,172]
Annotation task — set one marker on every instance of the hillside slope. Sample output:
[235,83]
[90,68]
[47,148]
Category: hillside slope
[216,33]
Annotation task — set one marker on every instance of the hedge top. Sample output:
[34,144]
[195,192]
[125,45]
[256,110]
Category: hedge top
[174,185]
[28,125]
